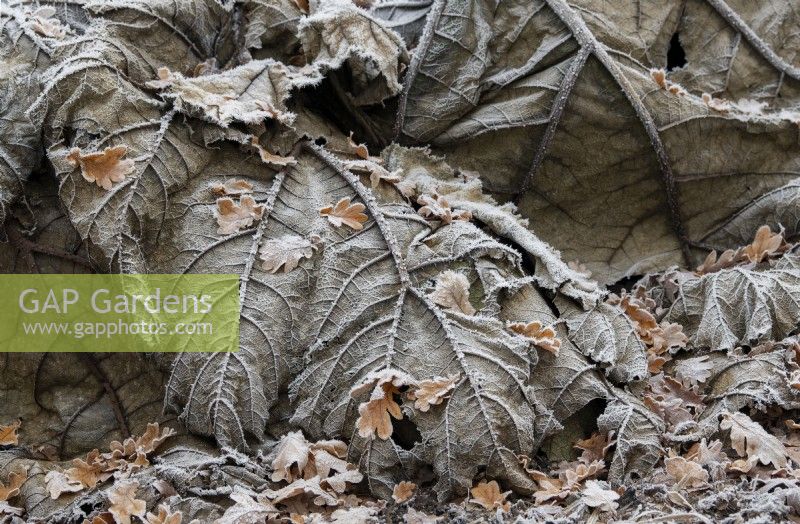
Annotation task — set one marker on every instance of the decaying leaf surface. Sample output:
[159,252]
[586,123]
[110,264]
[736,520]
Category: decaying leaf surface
[597,495]
[608,336]
[518,93]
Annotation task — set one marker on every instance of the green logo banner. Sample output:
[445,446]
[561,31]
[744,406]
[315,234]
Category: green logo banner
[119,313]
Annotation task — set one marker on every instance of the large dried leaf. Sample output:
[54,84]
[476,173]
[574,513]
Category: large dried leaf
[521,91]
[249,93]
[72,402]
[739,306]
[27,48]
[339,32]
[407,17]
[271,28]
[739,381]
[607,335]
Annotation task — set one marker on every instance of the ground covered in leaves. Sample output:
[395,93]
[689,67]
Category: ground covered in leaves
[517,261]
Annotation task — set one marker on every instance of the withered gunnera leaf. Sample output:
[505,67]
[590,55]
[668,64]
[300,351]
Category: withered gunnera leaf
[249,93]
[338,32]
[522,92]
[25,53]
[738,305]
[365,310]
[607,335]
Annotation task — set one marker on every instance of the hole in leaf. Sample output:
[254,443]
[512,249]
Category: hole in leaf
[405,433]
[676,56]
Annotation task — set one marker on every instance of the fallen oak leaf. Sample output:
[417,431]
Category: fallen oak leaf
[232,187]
[693,371]
[88,472]
[403,491]
[413,516]
[232,217]
[686,472]
[103,168]
[311,487]
[595,447]
[248,508]
[374,415]
[101,518]
[750,440]
[597,495]
[338,482]
[124,503]
[152,438]
[287,251]
[44,23]
[8,434]
[360,150]
[291,456]
[432,392]
[488,495]
[14,482]
[58,483]
[345,213]
[437,207]
[764,244]
[271,158]
[540,336]
[164,516]
[452,292]
[711,264]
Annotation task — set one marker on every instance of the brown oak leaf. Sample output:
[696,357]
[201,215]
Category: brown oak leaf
[686,473]
[432,392]
[103,168]
[488,495]
[750,440]
[595,447]
[232,187]
[727,259]
[345,213]
[164,516]
[374,415]
[764,244]
[597,495]
[124,504]
[452,292]
[232,217]
[58,483]
[88,472]
[541,336]
[271,158]
[8,434]
[437,207]
[15,481]
[403,491]
[287,251]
